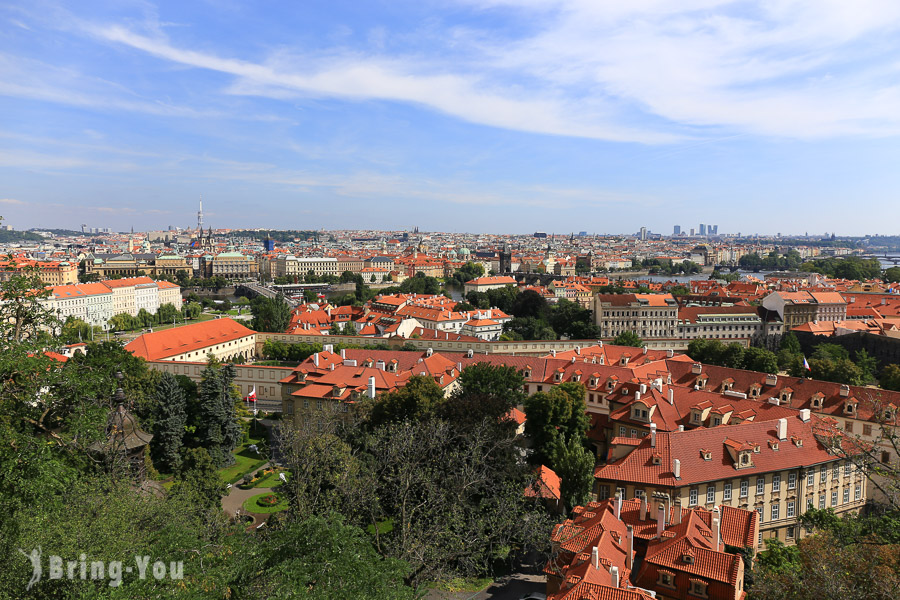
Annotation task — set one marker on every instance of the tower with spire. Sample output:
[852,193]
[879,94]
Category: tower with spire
[200,218]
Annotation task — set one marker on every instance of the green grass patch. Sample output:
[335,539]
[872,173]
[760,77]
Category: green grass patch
[245,462]
[253,505]
[272,479]
[383,527]
[461,584]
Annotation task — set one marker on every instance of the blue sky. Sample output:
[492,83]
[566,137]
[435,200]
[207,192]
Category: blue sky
[482,116]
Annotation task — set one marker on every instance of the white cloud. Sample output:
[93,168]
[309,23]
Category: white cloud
[650,71]
[467,96]
[10,201]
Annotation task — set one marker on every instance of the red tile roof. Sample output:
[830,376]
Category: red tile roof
[189,338]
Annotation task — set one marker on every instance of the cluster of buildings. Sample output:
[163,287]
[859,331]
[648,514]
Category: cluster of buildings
[96,303]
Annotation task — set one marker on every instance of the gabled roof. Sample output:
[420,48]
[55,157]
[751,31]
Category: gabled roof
[189,338]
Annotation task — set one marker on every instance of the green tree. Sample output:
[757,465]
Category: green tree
[575,467]
[890,377]
[198,481]
[74,330]
[215,418]
[324,558]
[169,424]
[418,399]
[790,343]
[892,274]
[554,417]
[270,314]
[760,359]
[628,338]
[867,364]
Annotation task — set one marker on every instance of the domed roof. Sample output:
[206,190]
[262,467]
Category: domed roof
[464,252]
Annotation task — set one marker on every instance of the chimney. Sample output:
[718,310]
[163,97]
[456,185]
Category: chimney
[629,556]
[643,388]
[782,429]
[676,513]
[343,353]
[676,468]
[644,507]
[717,529]
[573,360]
[370,392]
[328,348]
[619,506]
[459,367]
[660,521]
[771,379]
[671,396]
[595,557]
[577,349]
[696,368]
[845,390]
[804,415]
[614,576]
[332,366]
[653,435]
[600,343]
[645,349]
[553,353]
[316,359]
[670,353]
[429,351]
[328,311]
[379,365]
[637,395]
[681,428]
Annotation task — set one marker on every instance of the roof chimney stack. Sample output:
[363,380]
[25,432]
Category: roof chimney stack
[618,506]
[676,513]
[644,507]
[614,576]
[595,557]
[660,521]
[717,529]
[316,359]
[782,429]
[671,396]
[629,556]
[676,468]
[653,435]
[804,415]
[370,392]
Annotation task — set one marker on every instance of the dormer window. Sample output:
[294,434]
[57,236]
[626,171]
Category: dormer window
[656,459]
[576,377]
[698,588]
[744,459]
[593,382]
[797,442]
[557,376]
[785,396]
[706,454]
[850,408]
[687,559]
[610,384]
[754,391]
[817,401]
[701,382]
[527,373]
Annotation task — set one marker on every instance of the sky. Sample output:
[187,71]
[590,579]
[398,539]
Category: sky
[494,116]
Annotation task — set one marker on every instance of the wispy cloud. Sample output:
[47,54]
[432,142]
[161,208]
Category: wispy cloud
[468,96]
[10,201]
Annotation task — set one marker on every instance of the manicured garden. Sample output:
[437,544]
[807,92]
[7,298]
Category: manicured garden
[266,503]
[246,461]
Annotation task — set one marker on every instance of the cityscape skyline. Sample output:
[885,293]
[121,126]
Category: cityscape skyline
[482,117]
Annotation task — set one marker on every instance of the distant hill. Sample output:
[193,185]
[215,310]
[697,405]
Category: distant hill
[19,236]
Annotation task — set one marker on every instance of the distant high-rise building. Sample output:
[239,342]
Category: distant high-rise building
[713,230]
[692,232]
[676,230]
[643,233]
[702,229]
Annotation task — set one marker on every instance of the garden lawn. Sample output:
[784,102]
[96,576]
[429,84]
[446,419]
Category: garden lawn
[252,505]
[272,479]
[245,461]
